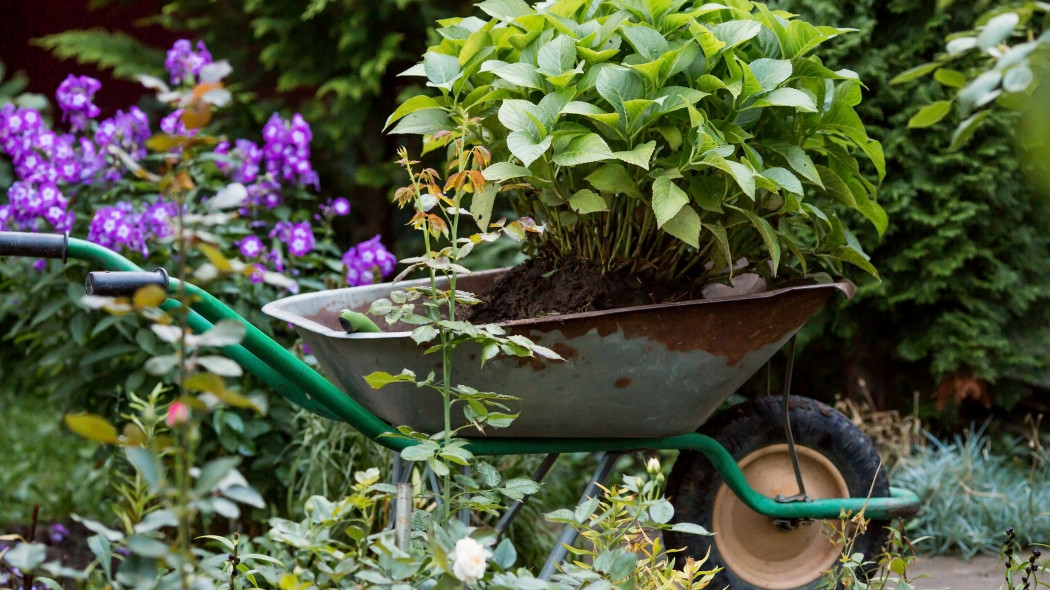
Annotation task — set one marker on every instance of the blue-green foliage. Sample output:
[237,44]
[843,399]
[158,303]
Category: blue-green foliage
[972,491]
[964,286]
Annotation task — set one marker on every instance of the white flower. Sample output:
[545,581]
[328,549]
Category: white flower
[469,560]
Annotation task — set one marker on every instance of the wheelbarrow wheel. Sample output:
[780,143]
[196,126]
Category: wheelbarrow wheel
[836,460]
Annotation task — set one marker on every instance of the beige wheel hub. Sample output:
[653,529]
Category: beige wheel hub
[752,546]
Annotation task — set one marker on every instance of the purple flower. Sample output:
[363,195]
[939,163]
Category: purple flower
[301,241]
[74,98]
[340,206]
[157,218]
[57,533]
[5,216]
[182,62]
[173,125]
[368,261]
[128,131]
[251,247]
[286,149]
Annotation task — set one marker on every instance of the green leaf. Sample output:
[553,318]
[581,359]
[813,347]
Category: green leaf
[982,90]
[640,155]
[930,114]
[557,57]
[505,10]
[744,176]
[441,69]
[416,103]
[689,528]
[213,473]
[220,365]
[788,97]
[587,201]
[26,556]
[482,202]
[618,85]
[1018,78]
[735,32]
[950,78]
[722,242]
[614,178]
[685,226]
[501,171]
[784,178]
[421,452]
[146,464]
[488,475]
[771,73]
[522,115]
[526,148]
[422,122]
[997,29]
[848,254]
[505,555]
[668,200]
[424,333]
[518,73]
[93,427]
[800,161]
[647,41]
[914,73]
[379,379]
[582,149]
[661,512]
[966,129]
[769,236]
[147,547]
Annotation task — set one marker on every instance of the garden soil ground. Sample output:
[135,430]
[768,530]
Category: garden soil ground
[981,573]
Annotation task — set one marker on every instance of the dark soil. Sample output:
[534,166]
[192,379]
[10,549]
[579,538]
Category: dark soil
[539,288]
[66,543]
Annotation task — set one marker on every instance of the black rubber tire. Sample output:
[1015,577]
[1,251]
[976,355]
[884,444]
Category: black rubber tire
[745,428]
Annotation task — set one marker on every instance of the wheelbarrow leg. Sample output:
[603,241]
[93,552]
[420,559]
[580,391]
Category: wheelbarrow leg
[537,476]
[400,472]
[568,534]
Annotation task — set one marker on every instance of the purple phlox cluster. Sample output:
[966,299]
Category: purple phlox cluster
[263,193]
[286,150]
[367,262]
[74,98]
[299,237]
[172,124]
[39,154]
[120,226]
[128,131]
[30,203]
[183,62]
[244,160]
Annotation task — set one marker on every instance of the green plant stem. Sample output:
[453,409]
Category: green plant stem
[184,452]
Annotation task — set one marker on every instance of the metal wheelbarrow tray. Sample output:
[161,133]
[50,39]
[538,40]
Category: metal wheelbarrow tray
[645,371]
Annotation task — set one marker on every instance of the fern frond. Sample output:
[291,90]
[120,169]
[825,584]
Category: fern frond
[126,56]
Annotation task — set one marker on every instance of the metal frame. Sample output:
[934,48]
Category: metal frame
[304,386]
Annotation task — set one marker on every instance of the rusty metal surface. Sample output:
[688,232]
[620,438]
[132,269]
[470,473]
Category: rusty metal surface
[648,371]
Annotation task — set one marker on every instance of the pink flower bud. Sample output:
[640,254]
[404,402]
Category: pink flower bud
[178,413]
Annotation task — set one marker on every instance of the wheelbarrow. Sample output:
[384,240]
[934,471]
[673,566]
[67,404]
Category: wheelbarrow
[636,379]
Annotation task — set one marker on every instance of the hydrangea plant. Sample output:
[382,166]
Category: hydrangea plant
[659,135]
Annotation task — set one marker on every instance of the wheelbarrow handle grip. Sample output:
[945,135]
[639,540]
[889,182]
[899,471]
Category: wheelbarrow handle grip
[123,283]
[15,243]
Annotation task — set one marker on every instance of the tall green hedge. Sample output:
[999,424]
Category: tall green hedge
[961,310]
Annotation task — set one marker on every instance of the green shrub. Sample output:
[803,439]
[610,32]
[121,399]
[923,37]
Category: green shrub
[962,302]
